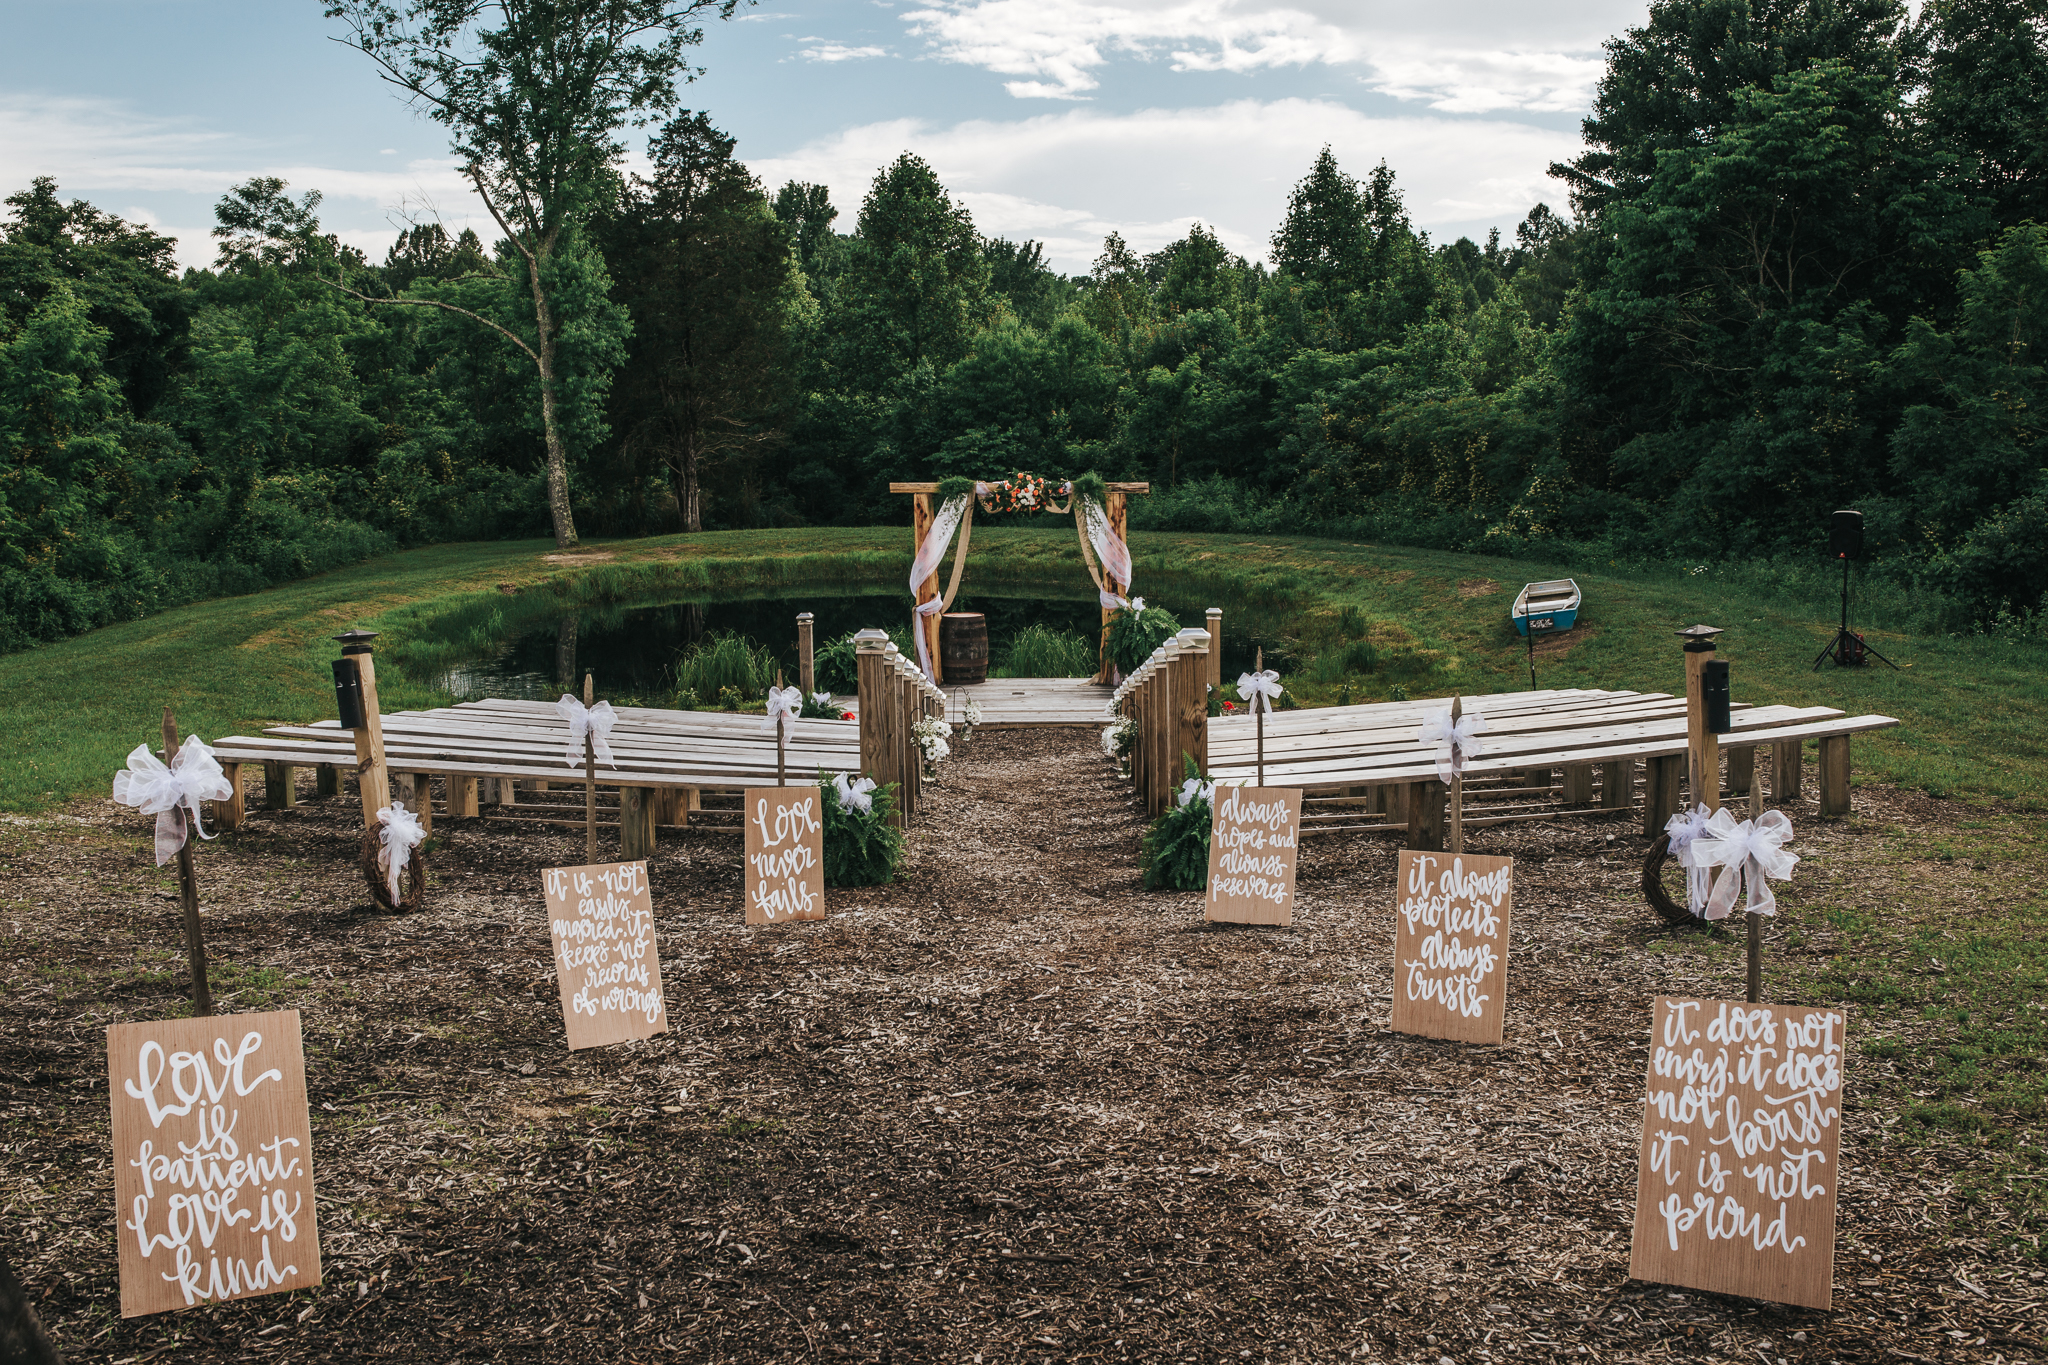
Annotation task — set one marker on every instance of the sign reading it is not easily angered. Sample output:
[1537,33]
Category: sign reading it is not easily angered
[213,1160]
[785,854]
[1451,945]
[1742,1131]
[1254,838]
[602,920]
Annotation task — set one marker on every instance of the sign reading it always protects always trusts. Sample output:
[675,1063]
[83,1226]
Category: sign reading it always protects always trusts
[1451,945]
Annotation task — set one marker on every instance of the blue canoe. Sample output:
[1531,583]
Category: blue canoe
[1544,607]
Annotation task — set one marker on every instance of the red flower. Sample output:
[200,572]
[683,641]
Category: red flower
[847,715]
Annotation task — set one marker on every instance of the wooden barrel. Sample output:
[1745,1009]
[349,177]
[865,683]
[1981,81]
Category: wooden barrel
[963,647]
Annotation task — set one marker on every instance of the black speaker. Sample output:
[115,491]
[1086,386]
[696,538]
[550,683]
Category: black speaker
[348,695]
[1845,536]
[1714,693]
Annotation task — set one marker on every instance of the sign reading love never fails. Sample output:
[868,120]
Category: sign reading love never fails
[1742,1135]
[213,1165]
[785,848]
[601,918]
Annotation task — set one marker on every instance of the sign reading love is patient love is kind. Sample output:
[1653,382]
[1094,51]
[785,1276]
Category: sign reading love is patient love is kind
[602,920]
[213,1160]
[1742,1128]
[785,854]
[1451,945]
[1254,837]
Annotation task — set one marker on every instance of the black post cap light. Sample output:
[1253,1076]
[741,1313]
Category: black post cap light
[1698,639]
[1714,693]
[355,641]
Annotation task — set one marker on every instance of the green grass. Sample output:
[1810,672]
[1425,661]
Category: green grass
[722,662]
[1041,652]
[1430,623]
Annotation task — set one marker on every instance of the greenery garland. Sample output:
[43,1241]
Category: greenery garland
[954,487]
[1091,487]
[861,847]
[1175,849]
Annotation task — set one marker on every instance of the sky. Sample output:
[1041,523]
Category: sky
[1053,120]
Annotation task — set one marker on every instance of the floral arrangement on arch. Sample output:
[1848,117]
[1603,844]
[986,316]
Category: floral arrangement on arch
[1026,492]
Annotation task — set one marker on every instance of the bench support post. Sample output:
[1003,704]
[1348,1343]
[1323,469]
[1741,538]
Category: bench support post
[1741,770]
[462,797]
[636,823]
[277,786]
[1785,772]
[1660,792]
[1618,784]
[1578,785]
[327,781]
[231,813]
[1834,775]
[1426,814]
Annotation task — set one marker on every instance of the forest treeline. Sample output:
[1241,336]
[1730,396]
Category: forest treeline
[1803,266]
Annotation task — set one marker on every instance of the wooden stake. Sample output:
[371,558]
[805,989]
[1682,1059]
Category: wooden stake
[188,891]
[1457,788]
[1756,922]
[589,776]
[1259,712]
[373,779]
[781,778]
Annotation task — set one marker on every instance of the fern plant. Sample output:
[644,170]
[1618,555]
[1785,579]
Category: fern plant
[1133,635]
[1175,849]
[861,847]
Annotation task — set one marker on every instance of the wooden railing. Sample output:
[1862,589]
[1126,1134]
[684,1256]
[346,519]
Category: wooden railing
[894,696]
[1168,697]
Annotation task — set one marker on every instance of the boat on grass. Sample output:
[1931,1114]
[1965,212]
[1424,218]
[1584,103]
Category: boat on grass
[1546,607]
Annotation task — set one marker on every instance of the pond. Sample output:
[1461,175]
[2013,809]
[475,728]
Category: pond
[632,651]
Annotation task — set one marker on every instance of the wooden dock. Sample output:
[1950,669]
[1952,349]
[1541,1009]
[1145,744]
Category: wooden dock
[1011,703]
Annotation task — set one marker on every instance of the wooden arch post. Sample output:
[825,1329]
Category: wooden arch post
[924,510]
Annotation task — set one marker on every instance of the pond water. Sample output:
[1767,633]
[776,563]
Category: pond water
[633,650]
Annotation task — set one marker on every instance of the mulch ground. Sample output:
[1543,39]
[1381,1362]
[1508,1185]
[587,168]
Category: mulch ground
[1011,1108]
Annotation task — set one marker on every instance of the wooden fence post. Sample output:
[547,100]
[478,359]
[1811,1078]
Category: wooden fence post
[806,667]
[1159,725]
[373,780]
[1216,649]
[1702,746]
[1191,699]
[922,514]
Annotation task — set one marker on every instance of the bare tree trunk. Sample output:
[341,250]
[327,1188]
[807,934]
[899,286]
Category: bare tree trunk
[558,460]
[565,650]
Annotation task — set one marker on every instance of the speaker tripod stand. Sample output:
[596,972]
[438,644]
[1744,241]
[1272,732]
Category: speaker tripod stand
[1848,649]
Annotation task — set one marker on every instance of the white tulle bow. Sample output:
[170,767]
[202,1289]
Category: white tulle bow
[854,795]
[594,721]
[1456,745]
[1195,789]
[402,833]
[821,698]
[1113,602]
[1261,689]
[783,705]
[1685,828]
[1748,852]
[167,793]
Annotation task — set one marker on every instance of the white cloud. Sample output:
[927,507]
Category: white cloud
[1070,178]
[95,148]
[826,50]
[1464,58]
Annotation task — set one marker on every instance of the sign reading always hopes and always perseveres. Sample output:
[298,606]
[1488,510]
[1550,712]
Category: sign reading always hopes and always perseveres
[1735,1187]
[1254,836]
[602,921]
[213,1160]
[785,854]
[1451,945]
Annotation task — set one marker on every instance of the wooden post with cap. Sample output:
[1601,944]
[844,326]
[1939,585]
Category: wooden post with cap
[1457,783]
[806,657]
[373,780]
[589,773]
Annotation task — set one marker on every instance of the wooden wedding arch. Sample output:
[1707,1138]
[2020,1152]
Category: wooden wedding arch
[923,508]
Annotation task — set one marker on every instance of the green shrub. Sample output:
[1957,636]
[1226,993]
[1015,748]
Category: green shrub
[1175,849]
[724,663]
[861,847]
[1134,635]
[1041,652]
[1341,661]
[833,663]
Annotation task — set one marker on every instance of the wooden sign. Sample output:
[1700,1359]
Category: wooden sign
[602,920]
[785,854]
[1451,945]
[1254,837]
[213,1160]
[1735,1185]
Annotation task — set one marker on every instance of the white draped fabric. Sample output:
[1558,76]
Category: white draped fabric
[595,721]
[1685,828]
[783,705]
[1111,551]
[167,793]
[854,795]
[400,835]
[1455,744]
[1261,689]
[1751,852]
[927,563]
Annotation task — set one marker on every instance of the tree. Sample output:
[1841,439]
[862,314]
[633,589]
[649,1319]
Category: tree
[533,93]
[808,212]
[1319,240]
[1197,277]
[917,283]
[707,269]
[1986,97]
[1673,84]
